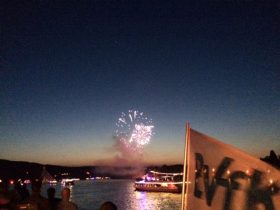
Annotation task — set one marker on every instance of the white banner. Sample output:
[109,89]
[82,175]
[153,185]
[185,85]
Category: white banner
[222,177]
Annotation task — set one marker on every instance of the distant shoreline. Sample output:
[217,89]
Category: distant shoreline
[15,170]
[29,170]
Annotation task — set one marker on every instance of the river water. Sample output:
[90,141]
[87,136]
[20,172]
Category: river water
[89,195]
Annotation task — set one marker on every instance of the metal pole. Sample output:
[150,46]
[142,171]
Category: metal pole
[185,167]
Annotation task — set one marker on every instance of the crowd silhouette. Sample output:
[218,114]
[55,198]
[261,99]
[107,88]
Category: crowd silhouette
[19,198]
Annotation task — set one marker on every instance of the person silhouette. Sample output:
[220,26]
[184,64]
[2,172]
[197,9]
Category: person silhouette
[108,205]
[65,204]
[53,201]
[36,199]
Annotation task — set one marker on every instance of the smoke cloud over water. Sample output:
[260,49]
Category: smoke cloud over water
[133,132]
[128,160]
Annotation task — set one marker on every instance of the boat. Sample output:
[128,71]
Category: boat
[46,177]
[160,182]
[69,182]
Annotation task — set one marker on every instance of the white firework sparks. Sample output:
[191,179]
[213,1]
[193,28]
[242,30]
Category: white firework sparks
[134,129]
[141,134]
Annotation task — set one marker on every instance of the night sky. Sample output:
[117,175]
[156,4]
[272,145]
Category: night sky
[70,68]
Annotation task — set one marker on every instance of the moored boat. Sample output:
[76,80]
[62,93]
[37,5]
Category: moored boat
[69,182]
[160,182]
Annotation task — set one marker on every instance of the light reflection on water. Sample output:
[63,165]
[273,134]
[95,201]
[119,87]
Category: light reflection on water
[89,195]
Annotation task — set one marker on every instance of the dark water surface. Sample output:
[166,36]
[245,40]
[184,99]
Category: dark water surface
[89,195]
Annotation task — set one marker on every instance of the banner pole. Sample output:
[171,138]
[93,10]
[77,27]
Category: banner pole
[188,161]
[183,205]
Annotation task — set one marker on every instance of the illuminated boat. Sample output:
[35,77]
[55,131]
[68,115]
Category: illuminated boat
[69,182]
[160,182]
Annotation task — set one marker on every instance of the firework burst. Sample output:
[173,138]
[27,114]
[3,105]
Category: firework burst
[134,129]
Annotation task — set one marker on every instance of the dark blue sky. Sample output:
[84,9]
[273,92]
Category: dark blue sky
[69,69]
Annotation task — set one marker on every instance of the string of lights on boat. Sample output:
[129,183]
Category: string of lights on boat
[162,173]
